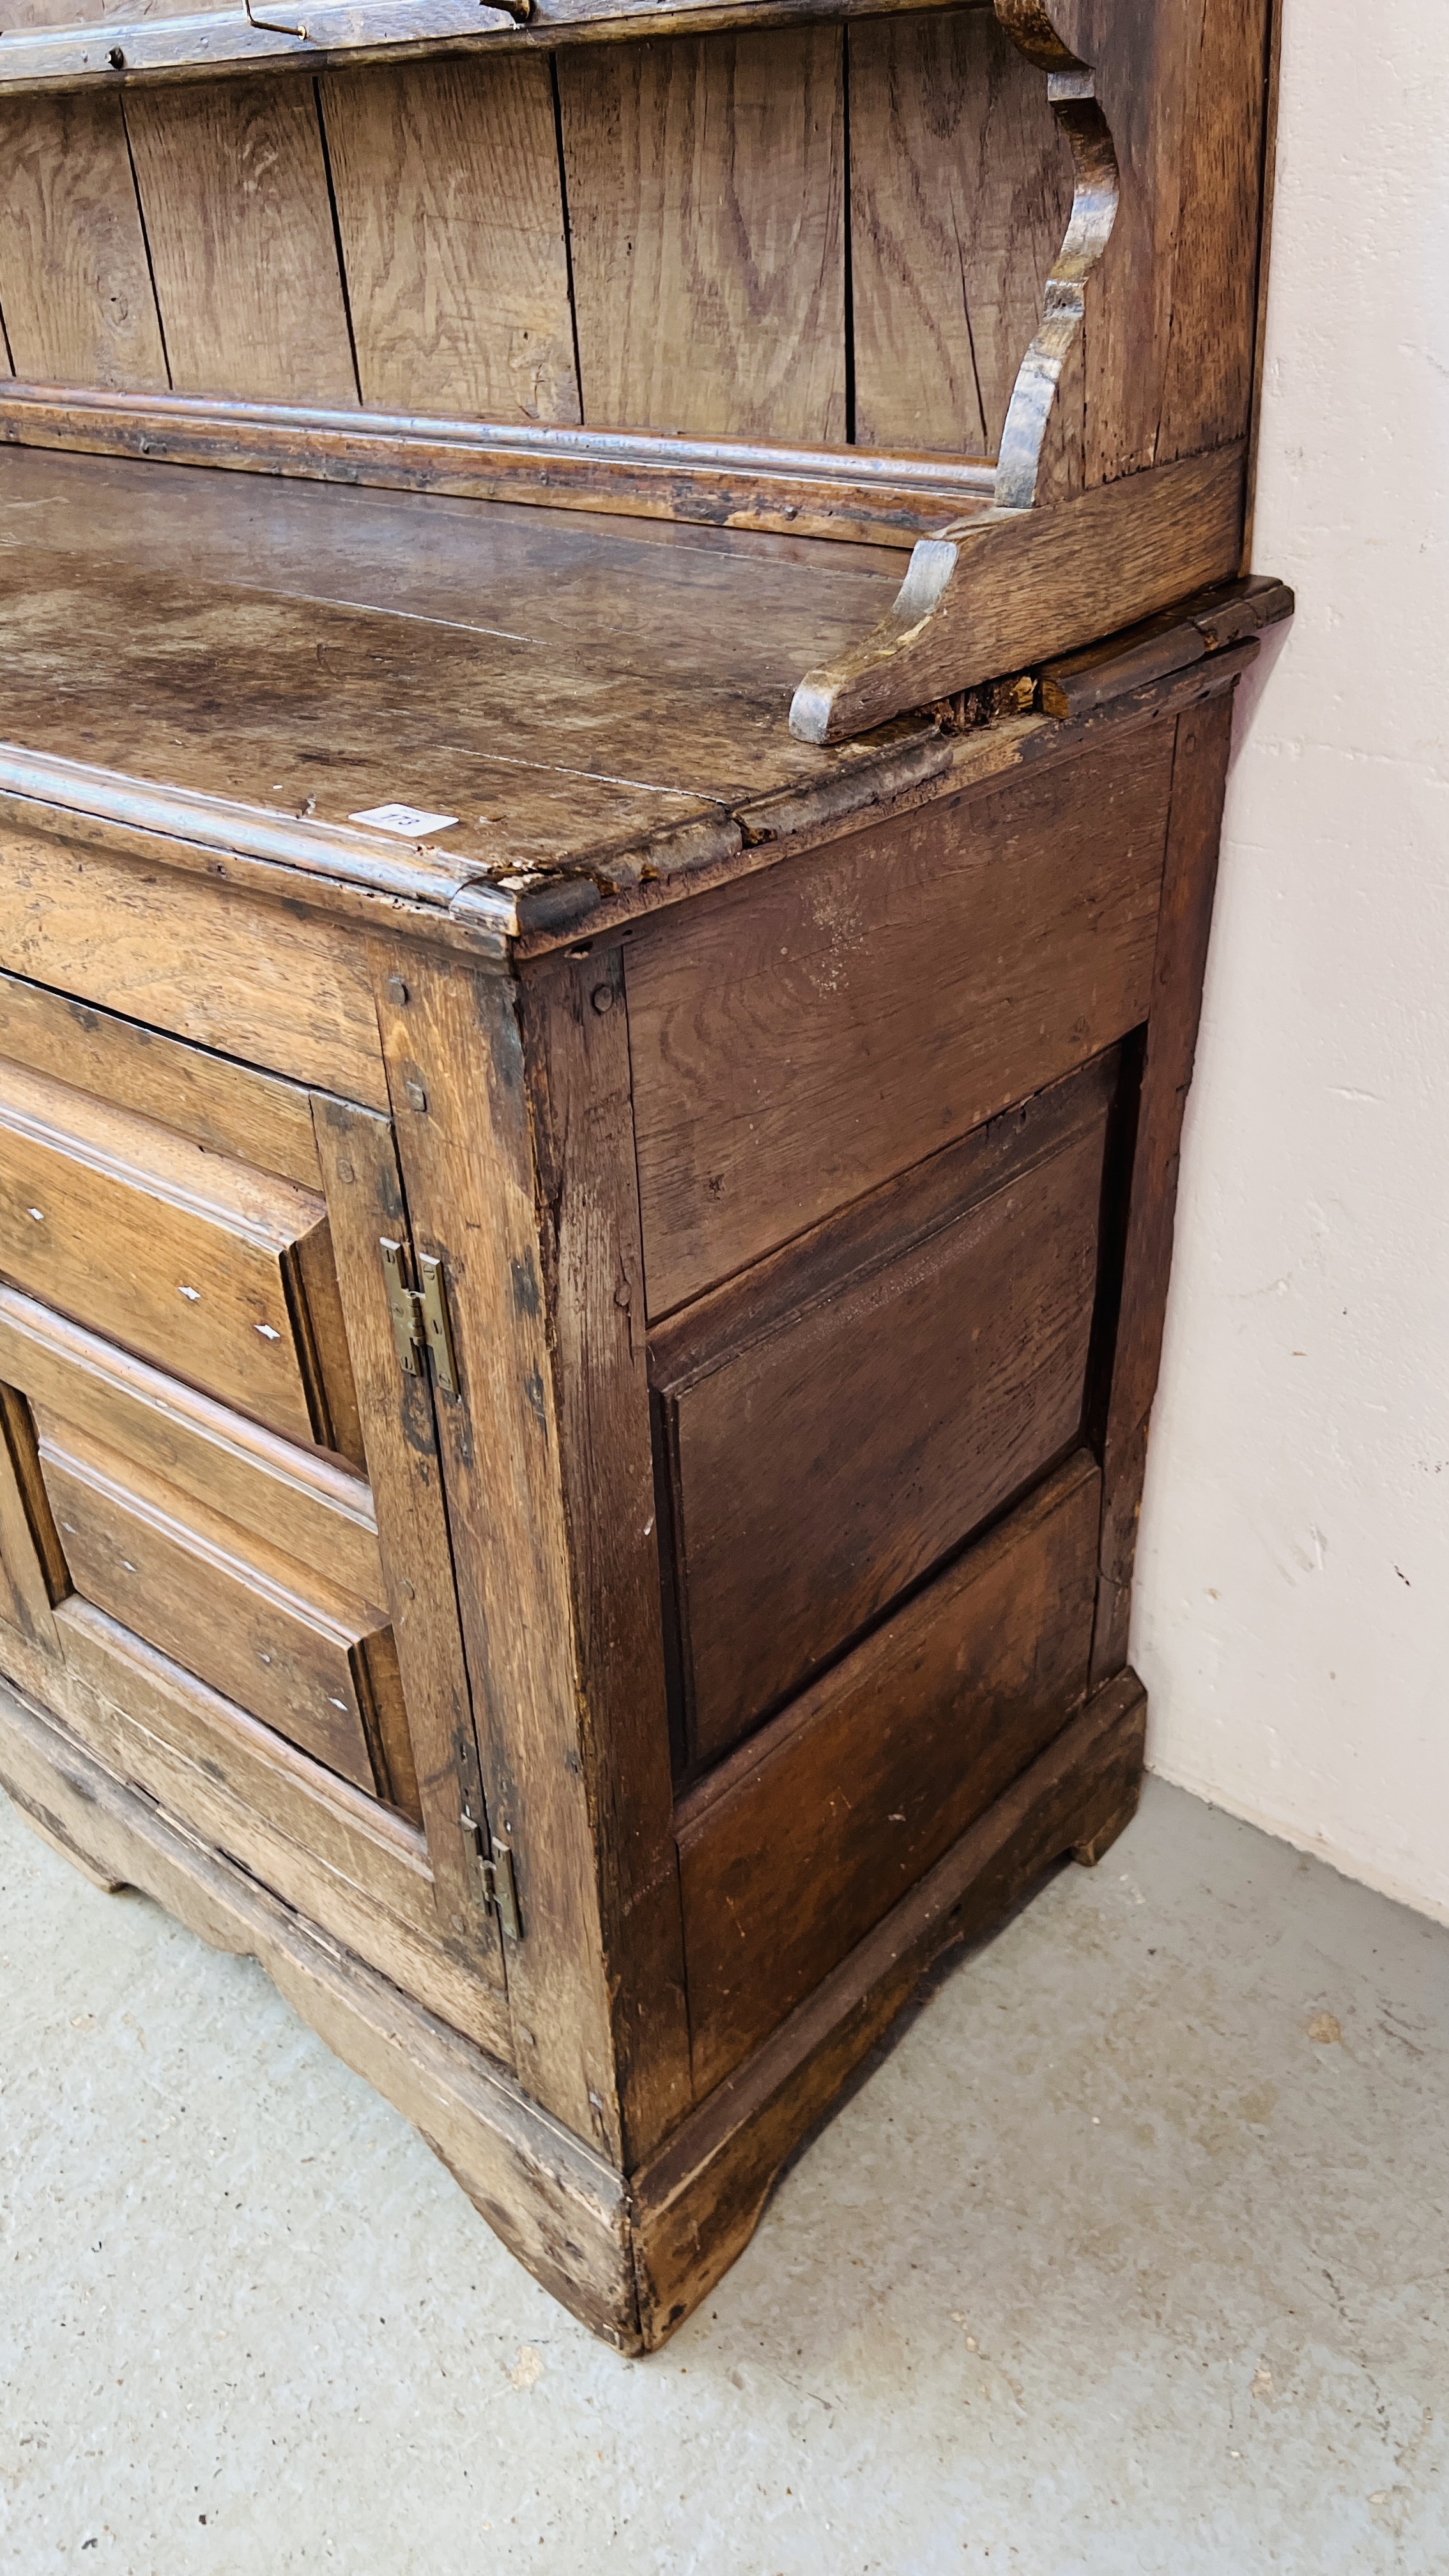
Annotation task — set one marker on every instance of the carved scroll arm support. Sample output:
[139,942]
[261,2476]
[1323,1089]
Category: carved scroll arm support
[1041,573]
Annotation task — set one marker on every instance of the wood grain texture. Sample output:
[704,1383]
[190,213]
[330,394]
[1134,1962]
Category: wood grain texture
[233,187]
[75,288]
[400,1438]
[312,1508]
[797,1041]
[455,1059]
[451,222]
[32,1566]
[1208,381]
[815,1830]
[1199,778]
[226,1107]
[826,1463]
[576,1048]
[184,1256]
[267,984]
[1016,586]
[221,1602]
[706,208]
[1167,310]
[960,189]
[697,2203]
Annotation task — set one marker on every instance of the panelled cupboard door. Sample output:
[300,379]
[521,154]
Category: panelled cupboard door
[219,1499]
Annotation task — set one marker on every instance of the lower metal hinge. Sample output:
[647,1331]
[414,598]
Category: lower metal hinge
[420,1319]
[495,1868]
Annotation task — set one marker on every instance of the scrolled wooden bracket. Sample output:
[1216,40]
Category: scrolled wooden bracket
[952,623]
[1096,195]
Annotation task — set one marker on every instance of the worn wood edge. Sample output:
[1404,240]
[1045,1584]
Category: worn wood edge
[697,2203]
[517,27]
[383,865]
[1014,586]
[479,935]
[555,2204]
[1162,646]
[848,496]
[275,857]
[979,761]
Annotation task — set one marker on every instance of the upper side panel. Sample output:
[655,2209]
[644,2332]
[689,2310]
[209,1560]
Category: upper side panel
[798,1040]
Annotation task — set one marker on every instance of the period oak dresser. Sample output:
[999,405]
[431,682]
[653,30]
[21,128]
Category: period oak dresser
[618,625]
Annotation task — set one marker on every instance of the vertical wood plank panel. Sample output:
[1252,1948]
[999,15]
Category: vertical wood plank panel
[1210,354]
[705,183]
[75,289]
[576,1051]
[960,194]
[451,217]
[234,189]
[1199,779]
[461,1115]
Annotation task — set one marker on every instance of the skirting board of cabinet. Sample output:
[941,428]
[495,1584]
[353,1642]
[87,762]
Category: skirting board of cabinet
[630,2255]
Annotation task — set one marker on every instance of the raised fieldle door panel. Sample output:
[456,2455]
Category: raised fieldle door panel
[221,1501]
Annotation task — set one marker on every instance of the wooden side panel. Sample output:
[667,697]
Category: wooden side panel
[826,1467]
[1204,738]
[233,187]
[813,1833]
[706,208]
[960,189]
[252,980]
[1168,336]
[803,1037]
[75,289]
[1209,380]
[451,219]
[219,1602]
[577,1054]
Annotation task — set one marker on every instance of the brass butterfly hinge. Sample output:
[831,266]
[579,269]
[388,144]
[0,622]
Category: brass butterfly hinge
[420,1319]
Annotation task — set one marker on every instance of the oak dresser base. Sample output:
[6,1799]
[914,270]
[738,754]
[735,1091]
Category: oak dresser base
[630,2255]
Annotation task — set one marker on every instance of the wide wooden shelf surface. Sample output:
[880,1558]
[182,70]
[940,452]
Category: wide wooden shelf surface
[562,683]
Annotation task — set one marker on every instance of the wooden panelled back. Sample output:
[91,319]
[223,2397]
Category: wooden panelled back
[812,234]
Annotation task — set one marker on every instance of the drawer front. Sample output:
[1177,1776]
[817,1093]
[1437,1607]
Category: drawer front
[220,1508]
[802,1841]
[838,1422]
[180,1253]
[218,1600]
[804,1036]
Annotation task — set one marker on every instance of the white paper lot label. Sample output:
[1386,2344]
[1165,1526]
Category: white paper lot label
[407,819]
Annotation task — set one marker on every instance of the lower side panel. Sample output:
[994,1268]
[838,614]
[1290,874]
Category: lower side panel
[794,1848]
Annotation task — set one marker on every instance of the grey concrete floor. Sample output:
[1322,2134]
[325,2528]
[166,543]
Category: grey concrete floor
[1129,2254]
